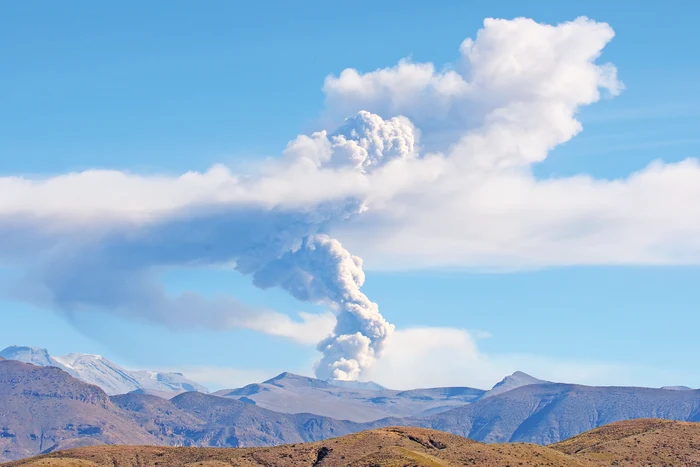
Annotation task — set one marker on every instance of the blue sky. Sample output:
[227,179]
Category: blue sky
[168,87]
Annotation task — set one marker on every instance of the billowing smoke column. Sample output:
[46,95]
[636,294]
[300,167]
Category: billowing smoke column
[322,271]
[510,99]
[278,245]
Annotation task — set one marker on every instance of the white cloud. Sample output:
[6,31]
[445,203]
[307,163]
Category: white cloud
[434,357]
[434,171]
[215,378]
[511,97]
[363,142]
[510,220]
[519,86]
[442,357]
[513,66]
[310,330]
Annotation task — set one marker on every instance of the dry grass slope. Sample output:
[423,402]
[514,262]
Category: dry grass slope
[643,442]
[632,443]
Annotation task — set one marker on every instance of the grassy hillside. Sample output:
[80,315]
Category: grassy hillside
[630,443]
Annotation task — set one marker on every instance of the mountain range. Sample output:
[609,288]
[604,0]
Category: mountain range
[551,412]
[292,393]
[44,409]
[97,370]
[631,443]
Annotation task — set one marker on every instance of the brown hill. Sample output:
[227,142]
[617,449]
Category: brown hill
[630,443]
[638,442]
[383,447]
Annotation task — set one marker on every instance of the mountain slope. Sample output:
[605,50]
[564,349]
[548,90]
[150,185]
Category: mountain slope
[195,419]
[364,385]
[94,369]
[290,393]
[377,448]
[634,444]
[647,442]
[33,355]
[45,409]
[514,381]
[97,370]
[548,413]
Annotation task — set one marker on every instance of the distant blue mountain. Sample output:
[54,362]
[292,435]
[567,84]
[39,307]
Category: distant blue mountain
[548,413]
[348,400]
[45,408]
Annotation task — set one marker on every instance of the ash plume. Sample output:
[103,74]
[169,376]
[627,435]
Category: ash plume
[322,271]
[468,199]
[114,268]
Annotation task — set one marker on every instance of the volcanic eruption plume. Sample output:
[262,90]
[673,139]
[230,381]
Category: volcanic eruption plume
[88,265]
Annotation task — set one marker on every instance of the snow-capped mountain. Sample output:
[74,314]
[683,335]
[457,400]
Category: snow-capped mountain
[155,381]
[97,370]
[33,355]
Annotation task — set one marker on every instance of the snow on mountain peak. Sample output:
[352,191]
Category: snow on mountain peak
[34,355]
[97,370]
[101,372]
